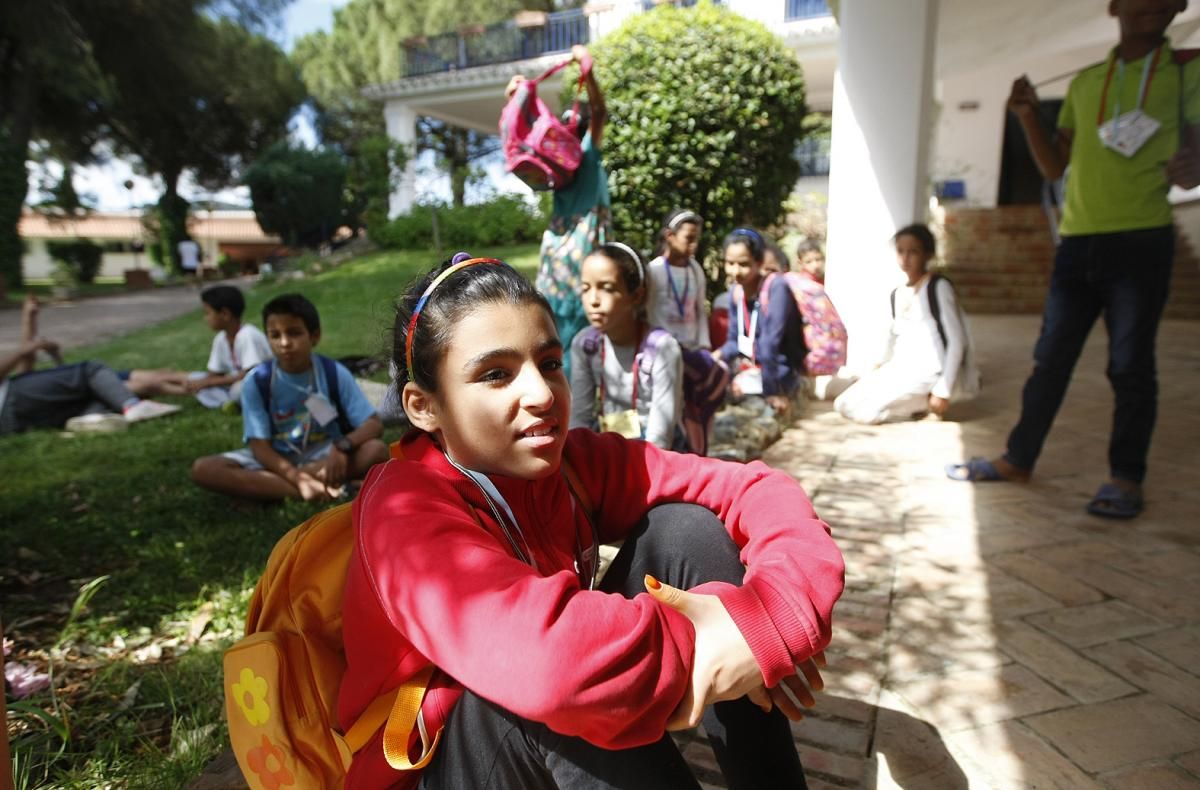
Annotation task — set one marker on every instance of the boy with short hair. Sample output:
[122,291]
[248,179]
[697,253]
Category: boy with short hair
[237,348]
[1121,121]
[309,428]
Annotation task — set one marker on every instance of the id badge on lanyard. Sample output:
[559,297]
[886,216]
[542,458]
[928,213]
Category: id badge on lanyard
[627,422]
[747,329]
[1126,133]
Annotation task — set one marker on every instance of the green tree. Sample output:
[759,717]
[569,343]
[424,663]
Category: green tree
[219,102]
[162,80]
[705,111]
[299,193]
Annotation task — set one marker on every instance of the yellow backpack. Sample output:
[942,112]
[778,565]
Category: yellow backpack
[282,678]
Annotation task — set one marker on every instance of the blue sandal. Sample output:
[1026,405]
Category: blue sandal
[1112,501]
[974,470]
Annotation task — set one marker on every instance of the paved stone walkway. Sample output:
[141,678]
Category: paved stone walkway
[94,320]
[997,635]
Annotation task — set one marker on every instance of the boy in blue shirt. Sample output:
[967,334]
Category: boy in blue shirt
[1129,129]
[308,426]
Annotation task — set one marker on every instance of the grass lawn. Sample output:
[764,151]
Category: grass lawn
[137,699]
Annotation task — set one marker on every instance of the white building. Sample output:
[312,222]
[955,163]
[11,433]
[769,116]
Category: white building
[917,89]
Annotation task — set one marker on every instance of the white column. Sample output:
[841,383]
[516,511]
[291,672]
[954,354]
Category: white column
[883,107]
[401,122]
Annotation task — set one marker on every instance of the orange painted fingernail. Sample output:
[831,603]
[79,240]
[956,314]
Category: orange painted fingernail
[653,583]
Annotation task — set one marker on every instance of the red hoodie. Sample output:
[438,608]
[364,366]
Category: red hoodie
[427,583]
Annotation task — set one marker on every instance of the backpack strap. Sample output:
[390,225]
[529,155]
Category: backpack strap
[335,395]
[262,380]
[935,306]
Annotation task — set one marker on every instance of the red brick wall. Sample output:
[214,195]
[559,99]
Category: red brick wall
[1000,260]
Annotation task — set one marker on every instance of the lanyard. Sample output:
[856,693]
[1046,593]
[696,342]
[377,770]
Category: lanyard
[637,361]
[680,300]
[1148,71]
[748,325]
[312,378]
[492,496]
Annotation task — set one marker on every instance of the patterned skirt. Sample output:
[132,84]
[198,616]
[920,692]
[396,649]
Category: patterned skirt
[565,244]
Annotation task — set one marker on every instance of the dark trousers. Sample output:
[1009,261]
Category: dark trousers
[487,748]
[48,398]
[1125,277]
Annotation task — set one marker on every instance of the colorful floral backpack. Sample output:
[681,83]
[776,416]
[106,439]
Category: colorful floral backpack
[824,333]
[538,148]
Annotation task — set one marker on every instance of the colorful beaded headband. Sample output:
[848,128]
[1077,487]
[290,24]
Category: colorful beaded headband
[412,322]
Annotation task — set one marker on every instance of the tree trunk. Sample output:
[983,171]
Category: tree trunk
[16,126]
[172,222]
[460,164]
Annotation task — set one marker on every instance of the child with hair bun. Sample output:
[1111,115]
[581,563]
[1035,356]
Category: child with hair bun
[626,375]
[476,556]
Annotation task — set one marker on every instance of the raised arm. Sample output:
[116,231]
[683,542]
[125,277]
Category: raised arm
[598,111]
[1050,154]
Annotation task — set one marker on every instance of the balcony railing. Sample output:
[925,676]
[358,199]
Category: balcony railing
[648,5]
[499,43]
[806,9]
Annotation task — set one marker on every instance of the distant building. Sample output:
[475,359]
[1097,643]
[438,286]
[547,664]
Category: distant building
[235,234]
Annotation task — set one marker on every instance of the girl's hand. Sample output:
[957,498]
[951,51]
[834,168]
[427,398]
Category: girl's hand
[723,667]
[938,405]
[779,403]
[802,694]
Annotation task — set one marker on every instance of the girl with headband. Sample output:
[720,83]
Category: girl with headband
[677,282]
[626,375]
[676,298]
[765,344]
[478,554]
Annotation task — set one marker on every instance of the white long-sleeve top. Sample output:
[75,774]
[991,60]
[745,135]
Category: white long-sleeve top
[680,309]
[660,385]
[915,343]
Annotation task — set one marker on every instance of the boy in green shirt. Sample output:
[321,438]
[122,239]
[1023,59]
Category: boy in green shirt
[1129,129]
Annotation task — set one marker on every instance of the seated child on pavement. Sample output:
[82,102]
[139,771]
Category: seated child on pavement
[765,345]
[308,426]
[626,374]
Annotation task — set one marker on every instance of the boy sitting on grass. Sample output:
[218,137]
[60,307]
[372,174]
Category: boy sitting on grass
[309,428]
[237,348]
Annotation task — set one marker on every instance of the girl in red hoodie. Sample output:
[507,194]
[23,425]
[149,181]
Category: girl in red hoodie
[475,555]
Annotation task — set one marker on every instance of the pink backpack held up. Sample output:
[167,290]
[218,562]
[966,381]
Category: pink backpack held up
[538,148]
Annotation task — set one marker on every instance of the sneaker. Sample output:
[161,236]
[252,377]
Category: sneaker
[100,422]
[148,410]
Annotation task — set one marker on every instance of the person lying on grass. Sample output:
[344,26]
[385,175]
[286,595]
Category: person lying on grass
[478,553]
[308,426]
[85,396]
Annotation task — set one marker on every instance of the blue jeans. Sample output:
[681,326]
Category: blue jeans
[1124,276]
